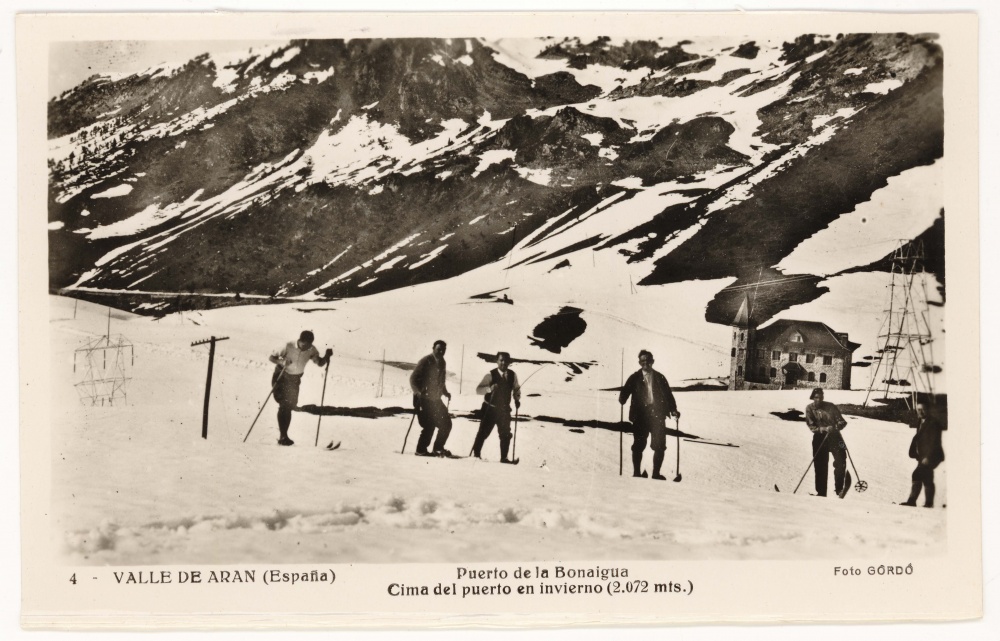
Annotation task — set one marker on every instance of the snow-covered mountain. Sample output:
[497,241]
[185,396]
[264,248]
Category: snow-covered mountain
[323,169]
[570,202]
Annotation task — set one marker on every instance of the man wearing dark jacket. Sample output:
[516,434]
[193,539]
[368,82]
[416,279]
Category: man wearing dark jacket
[926,448]
[825,421]
[499,386]
[428,385]
[652,402]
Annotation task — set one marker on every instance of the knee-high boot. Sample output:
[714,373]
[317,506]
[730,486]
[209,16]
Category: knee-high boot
[657,463]
[929,494]
[914,493]
[637,463]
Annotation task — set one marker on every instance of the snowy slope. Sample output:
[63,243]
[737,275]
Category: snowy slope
[137,484]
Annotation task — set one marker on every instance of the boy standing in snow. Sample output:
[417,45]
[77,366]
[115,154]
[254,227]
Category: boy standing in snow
[291,363]
[926,448]
[652,402]
[428,385]
[499,386]
[825,421]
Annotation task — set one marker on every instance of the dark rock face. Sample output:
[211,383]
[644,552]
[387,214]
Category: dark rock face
[559,330]
[234,195]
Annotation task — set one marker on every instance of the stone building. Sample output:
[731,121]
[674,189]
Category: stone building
[787,354]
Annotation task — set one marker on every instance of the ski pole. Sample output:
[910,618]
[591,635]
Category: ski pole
[818,450]
[677,424]
[621,422]
[408,430]
[275,385]
[860,486]
[322,398]
[473,448]
[513,454]
[621,439]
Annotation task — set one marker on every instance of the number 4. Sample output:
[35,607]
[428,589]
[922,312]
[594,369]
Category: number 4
[72,579]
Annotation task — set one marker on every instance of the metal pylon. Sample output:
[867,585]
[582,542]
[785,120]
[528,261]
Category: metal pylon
[102,364]
[906,356]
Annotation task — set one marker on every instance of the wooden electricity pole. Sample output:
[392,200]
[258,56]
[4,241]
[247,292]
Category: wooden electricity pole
[208,383]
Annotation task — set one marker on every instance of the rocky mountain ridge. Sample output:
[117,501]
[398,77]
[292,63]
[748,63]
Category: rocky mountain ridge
[328,169]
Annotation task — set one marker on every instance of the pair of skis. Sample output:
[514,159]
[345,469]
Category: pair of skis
[860,487]
[333,445]
[453,456]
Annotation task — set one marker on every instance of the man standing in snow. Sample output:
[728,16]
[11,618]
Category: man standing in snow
[428,384]
[652,402]
[499,385]
[291,363]
[825,421]
[926,448]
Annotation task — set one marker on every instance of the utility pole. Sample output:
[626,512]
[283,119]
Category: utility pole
[208,383]
[381,377]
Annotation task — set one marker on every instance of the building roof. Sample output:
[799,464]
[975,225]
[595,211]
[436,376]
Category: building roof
[743,316]
[815,336]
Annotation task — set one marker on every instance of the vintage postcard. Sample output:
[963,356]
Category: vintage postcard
[439,320]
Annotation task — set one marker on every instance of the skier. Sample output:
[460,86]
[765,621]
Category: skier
[428,385]
[926,448]
[652,402]
[291,363]
[499,386]
[825,422]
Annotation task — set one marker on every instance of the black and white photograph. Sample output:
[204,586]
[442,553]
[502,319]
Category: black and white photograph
[559,298]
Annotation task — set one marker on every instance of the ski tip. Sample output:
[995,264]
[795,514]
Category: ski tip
[333,445]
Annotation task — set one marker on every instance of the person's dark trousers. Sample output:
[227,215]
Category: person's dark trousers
[640,434]
[286,393]
[492,418]
[833,444]
[433,415]
[923,477]
[284,420]
[485,429]
[426,434]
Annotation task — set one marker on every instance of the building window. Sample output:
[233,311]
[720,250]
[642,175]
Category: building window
[827,360]
[741,353]
[760,354]
[743,336]
[733,352]
[774,372]
[822,377]
[797,338]
[739,371]
[793,357]
[775,355]
[810,358]
[812,377]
